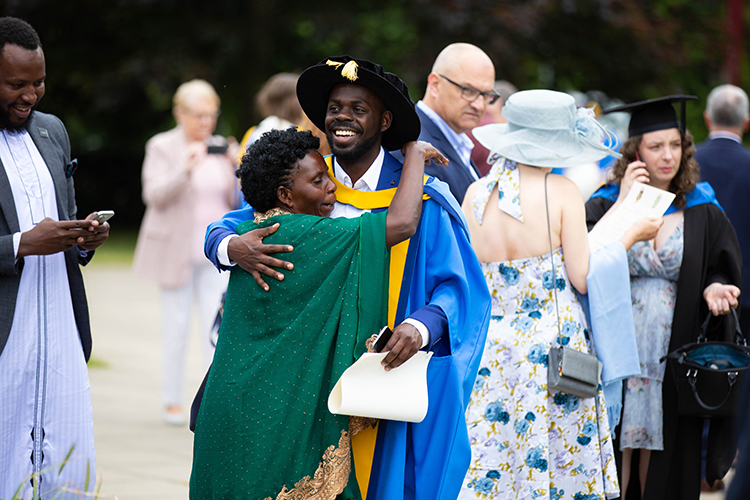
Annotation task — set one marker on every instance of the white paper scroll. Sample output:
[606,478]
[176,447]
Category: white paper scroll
[365,389]
[642,201]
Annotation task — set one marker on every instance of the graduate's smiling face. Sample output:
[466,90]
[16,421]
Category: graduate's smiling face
[355,121]
[661,151]
[22,75]
[311,190]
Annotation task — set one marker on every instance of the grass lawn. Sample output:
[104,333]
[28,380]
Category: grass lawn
[117,250]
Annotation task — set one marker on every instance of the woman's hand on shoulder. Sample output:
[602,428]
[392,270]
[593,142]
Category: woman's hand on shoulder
[636,171]
[426,151]
[720,297]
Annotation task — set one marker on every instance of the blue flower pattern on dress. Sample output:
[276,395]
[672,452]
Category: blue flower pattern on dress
[653,286]
[521,426]
[569,402]
[583,440]
[535,459]
[516,426]
[505,175]
[510,274]
[584,496]
[529,304]
[568,328]
[547,281]
[538,354]
[495,413]
[483,485]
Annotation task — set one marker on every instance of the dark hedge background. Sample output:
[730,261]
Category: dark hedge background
[113,65]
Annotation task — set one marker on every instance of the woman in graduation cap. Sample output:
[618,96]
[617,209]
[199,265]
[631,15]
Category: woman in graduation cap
[692,266]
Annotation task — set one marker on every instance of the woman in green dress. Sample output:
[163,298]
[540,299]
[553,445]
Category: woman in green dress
[264,430]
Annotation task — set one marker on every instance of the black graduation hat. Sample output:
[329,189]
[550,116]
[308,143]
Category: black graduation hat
[314,87]
[654,114]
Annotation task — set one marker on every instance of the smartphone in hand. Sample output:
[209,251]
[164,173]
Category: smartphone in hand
[103,216]
[217,149]
[382,339]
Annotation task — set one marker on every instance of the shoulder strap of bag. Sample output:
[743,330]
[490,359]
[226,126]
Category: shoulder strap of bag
[552,258]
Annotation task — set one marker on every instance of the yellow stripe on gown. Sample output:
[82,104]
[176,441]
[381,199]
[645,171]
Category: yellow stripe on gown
[363,443]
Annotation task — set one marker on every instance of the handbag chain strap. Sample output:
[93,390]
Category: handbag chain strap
[552,258]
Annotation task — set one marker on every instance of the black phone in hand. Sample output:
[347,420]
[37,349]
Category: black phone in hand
[217,149]
[382,339]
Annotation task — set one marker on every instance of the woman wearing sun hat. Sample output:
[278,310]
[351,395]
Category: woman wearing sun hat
[691,267]
[528,442]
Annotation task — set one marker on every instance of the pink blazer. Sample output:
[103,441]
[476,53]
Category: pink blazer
[164,252]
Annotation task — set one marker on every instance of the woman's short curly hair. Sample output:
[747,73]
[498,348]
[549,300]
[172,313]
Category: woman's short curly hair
[687,176]
[272,161]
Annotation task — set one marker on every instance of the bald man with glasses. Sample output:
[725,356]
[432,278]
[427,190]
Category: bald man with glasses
[459,89]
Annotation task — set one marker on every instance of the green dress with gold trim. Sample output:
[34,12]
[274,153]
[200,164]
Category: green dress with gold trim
[264,429]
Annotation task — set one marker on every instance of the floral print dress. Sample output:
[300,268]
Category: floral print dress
[653,286]
[528,442]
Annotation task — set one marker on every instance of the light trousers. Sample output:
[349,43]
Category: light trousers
[204,290]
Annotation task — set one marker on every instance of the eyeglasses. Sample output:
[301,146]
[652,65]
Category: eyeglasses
[470,93]
[203,116]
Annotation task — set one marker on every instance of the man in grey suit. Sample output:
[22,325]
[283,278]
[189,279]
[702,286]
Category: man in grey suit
[45,337]
[459,88]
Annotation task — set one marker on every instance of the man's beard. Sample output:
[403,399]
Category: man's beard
[358,151]
[6,124]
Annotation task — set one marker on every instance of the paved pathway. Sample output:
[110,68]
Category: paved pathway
[138,456]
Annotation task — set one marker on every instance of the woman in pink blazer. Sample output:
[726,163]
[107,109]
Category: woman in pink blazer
[186,186]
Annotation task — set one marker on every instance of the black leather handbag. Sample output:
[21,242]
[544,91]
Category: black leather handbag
[709,374]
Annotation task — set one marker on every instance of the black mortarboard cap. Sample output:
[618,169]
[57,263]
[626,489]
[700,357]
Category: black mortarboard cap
[654,114]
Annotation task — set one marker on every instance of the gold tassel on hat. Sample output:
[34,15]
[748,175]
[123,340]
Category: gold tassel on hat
[350,71]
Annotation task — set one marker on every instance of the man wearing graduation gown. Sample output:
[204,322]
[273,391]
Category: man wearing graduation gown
[438,299]
[45,339]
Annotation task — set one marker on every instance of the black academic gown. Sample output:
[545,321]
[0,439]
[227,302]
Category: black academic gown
[711,254]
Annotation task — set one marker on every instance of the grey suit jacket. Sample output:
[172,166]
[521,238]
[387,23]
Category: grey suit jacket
[51,138]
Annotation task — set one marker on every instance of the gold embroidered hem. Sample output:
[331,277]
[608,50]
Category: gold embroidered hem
[260,217]
[370,343]
[358,424]
[329,479]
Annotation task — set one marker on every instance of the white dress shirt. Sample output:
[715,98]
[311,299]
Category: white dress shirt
[460,142]
[724,134]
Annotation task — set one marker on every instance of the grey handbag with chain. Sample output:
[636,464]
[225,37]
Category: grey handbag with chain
[568,370]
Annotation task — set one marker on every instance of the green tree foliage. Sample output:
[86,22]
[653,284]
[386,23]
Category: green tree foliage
[113,65]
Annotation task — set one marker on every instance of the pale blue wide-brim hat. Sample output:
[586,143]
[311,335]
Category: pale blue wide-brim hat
[545,129]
